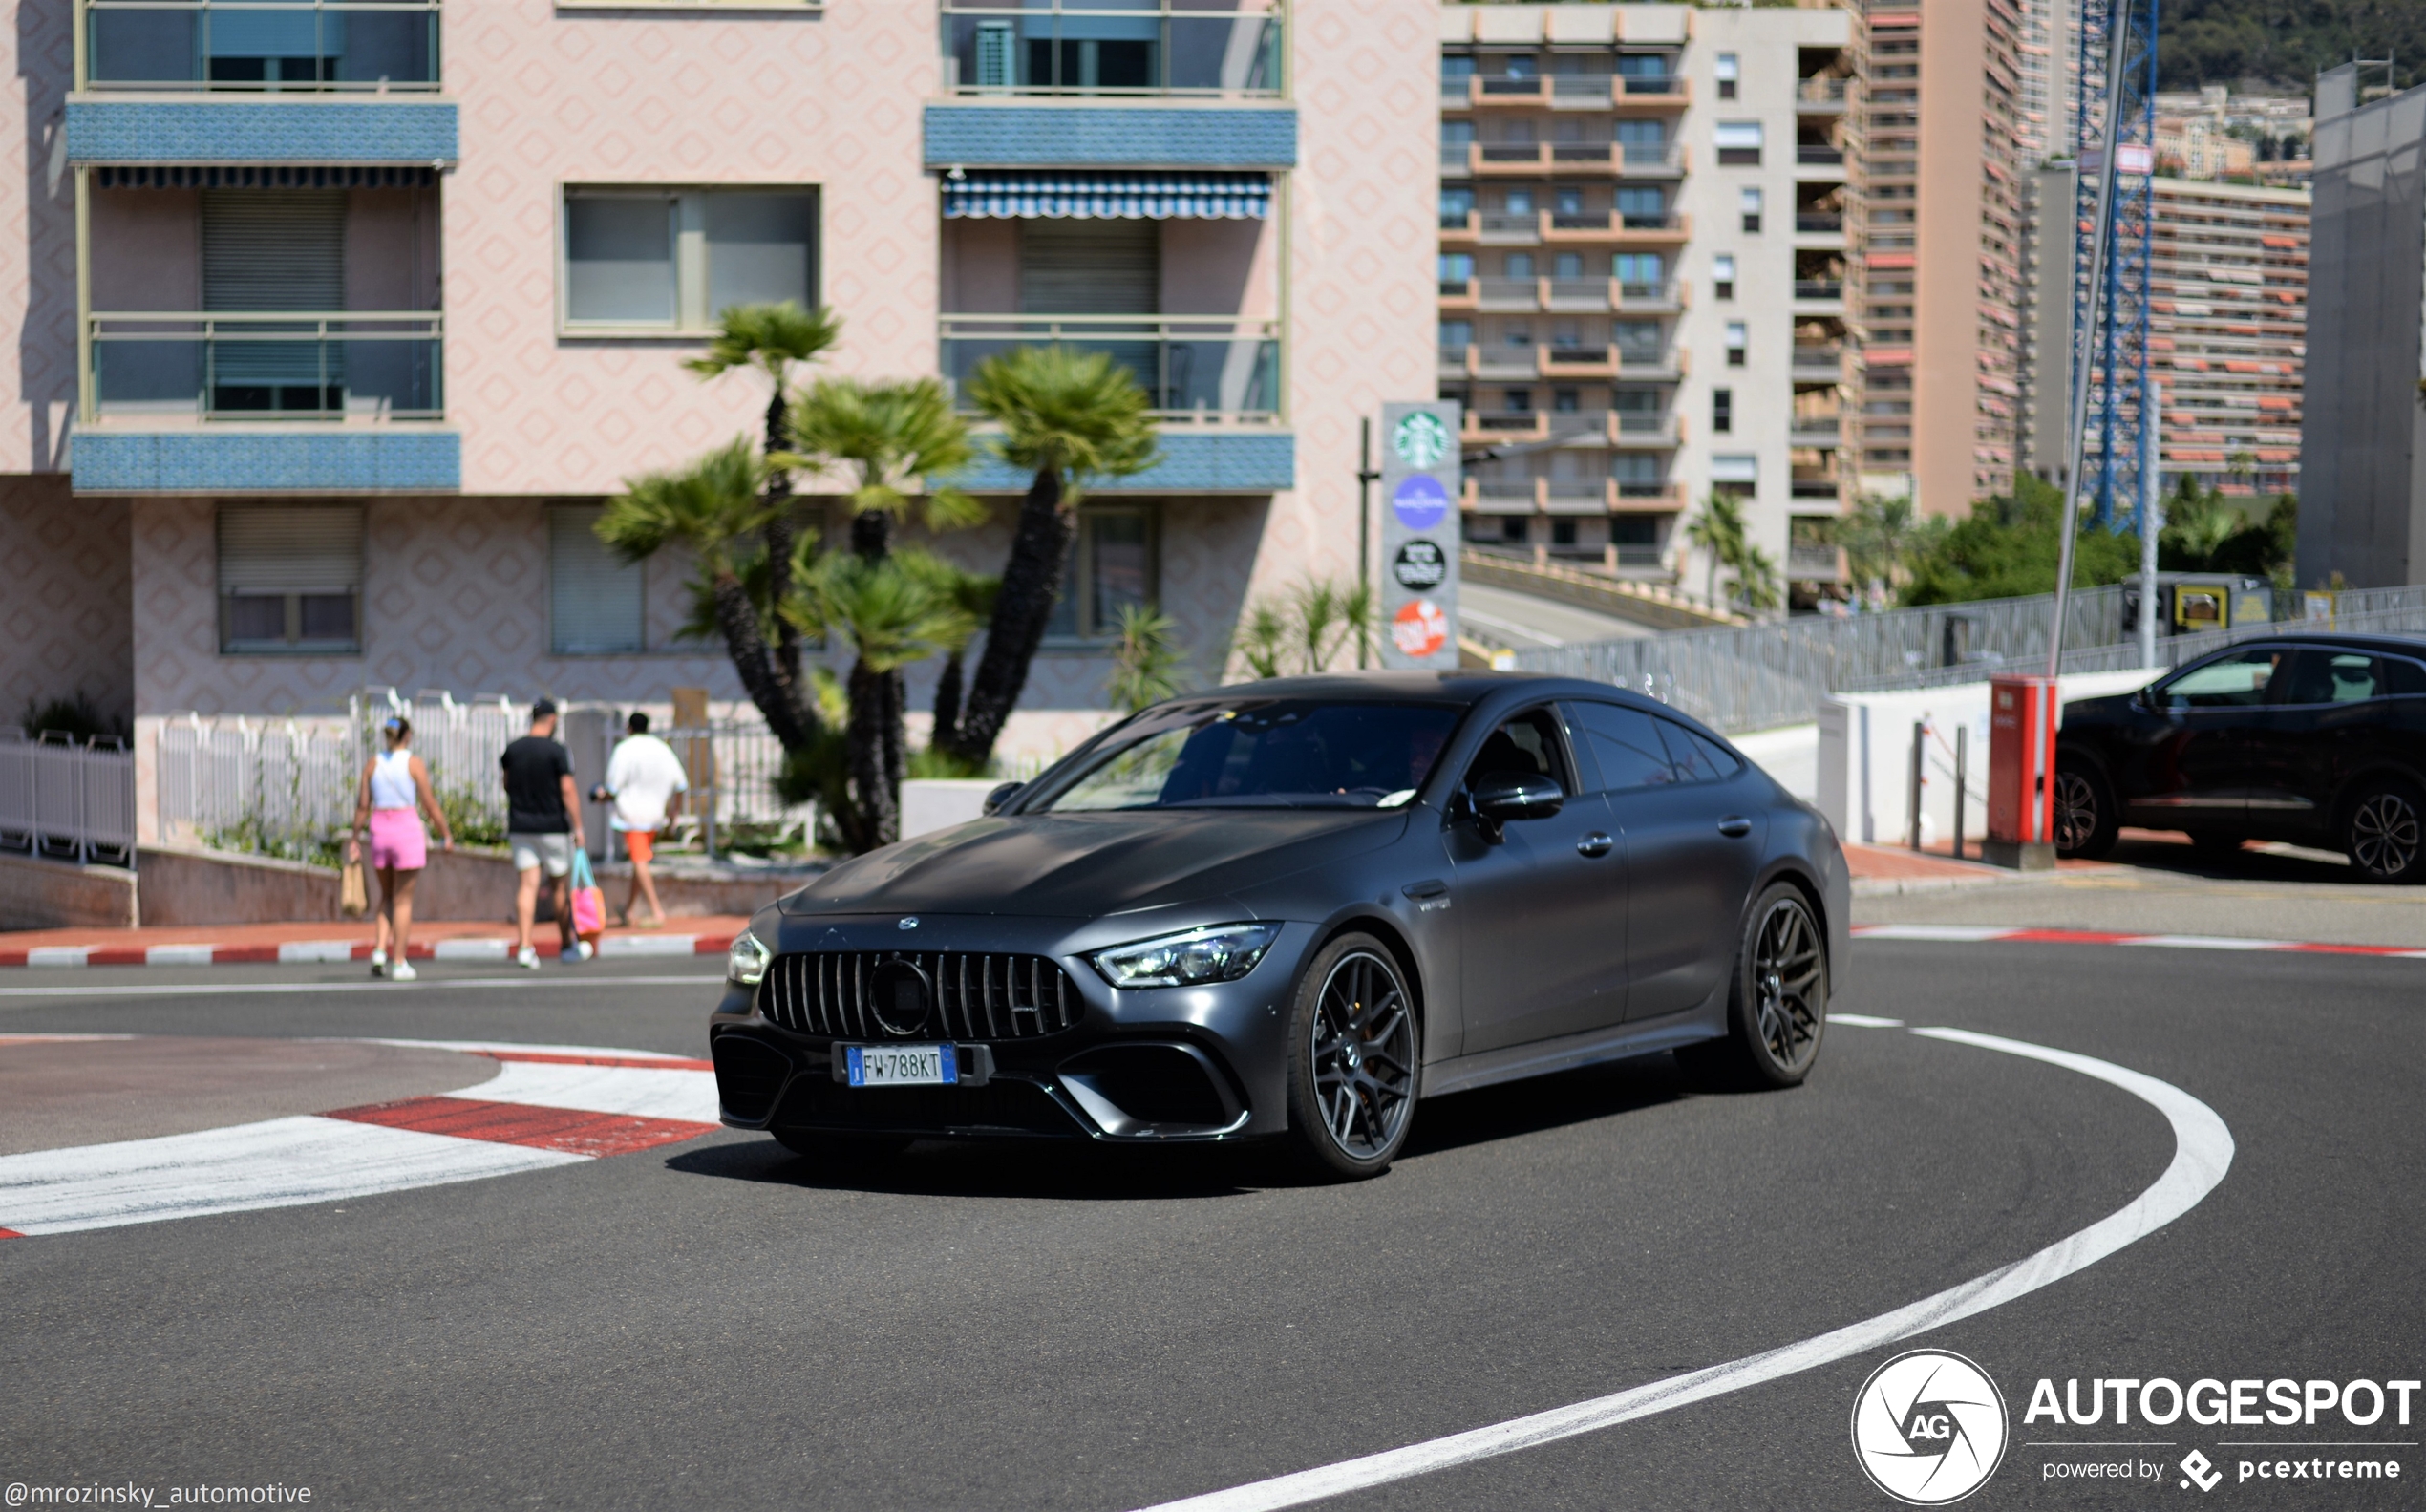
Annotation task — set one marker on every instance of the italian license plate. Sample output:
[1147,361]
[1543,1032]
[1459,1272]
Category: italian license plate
[901,1065]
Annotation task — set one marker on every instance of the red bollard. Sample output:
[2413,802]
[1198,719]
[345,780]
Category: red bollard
[2021,773]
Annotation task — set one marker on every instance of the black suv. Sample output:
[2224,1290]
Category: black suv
[2319,739]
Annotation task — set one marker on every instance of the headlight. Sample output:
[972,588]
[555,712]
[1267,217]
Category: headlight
[746,963]
[1222,952]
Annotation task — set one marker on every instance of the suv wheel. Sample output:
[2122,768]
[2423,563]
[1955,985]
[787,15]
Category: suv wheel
[2086,818]
[2384,831]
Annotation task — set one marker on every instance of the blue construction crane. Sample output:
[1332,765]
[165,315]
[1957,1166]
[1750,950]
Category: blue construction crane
[2113,444]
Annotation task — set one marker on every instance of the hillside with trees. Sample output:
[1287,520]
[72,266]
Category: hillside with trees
[2283,44]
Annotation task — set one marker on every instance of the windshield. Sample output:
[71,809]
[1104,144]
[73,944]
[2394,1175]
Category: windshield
[1265,754]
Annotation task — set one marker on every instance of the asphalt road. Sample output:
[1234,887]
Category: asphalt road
[717,1324]
[1521,621]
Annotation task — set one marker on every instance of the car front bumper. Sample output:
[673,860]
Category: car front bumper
[1149,1065]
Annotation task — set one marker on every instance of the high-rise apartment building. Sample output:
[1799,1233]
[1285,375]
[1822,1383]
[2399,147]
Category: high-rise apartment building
[1643,264]
[2363,418]
[337,322]
[1941,257]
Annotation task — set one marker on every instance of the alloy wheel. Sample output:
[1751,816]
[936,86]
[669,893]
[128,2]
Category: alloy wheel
[2075,811]
[1363,1055]
[1787,971]
[2385,833]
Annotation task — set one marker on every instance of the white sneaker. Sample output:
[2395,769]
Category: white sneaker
[581,950]
[527,958]
[403,972]
[378,963]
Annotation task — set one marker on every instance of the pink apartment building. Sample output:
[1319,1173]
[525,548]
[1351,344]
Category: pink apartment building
[335,325]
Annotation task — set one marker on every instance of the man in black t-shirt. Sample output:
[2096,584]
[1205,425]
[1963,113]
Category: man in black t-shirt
[543,824]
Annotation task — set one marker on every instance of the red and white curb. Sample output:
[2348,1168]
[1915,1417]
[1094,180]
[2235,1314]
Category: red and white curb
[549,1105]
[1979,935]
[298,952]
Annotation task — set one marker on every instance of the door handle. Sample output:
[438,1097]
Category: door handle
[1594,845]
[1734,826]
[1426,890]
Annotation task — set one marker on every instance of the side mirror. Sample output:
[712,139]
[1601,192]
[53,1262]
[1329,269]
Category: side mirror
[1000,795]
[1505,798]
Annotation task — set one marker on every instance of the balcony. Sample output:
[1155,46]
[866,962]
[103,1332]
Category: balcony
[1819,224]
[1819,162]
[1811,563]
[1820,290]
[1631,95]
[312,47]
[1196,369]
[1820,96]
[1818,364]
[1818,432]
[1131,48]
[354,366]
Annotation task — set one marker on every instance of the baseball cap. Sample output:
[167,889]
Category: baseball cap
[542,709]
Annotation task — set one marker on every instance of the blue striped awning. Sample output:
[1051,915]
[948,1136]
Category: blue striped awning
[1020,195]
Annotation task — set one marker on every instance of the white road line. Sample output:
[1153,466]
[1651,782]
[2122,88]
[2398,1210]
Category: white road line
[295,952]
[2206,942]
[425,985]
[687,1095]
[280,1163]
[1968,933]
[1864,1021]
[2202,1152]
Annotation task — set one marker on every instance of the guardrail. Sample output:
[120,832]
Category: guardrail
[68,801]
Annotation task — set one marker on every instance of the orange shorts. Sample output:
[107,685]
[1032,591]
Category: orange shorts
[640,843]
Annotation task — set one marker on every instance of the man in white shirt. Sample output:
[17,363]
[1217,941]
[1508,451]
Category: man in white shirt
[644,780]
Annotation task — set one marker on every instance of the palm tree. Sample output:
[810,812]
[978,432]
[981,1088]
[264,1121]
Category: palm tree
[892,613]
[1755,578]
[1878,538]
[717,507]
[1717,533]
[1149,667]
[1067,416]
[889,436]
[972,594]
[772,338]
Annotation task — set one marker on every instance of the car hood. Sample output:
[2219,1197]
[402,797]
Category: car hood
[2110,706]
[1084,866]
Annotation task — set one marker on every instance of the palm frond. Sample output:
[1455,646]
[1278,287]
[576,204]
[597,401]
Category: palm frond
[892,437]
[768,337]
[1078,412]
[712,507]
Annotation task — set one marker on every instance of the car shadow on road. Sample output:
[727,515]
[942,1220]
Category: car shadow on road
[1071,1170]
[2159,851]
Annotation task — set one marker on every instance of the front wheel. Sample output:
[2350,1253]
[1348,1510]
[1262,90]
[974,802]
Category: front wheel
[2384,832]
[2086,820]
[1777,1003]
[1354,1050]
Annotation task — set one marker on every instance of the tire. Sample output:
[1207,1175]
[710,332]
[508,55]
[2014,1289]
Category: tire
[1776,1002]
[2087,819]
[842,1152]
[2384,831]
[1355,1048]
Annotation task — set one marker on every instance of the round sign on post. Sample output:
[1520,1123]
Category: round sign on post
[1420,439]
[1421,564]
[1419,629]
[1419,501]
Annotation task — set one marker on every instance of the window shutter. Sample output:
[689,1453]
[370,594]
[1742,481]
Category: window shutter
[273,250]
[594,601]
[291,548]
[993,55]
[1090,267]
[1729,134]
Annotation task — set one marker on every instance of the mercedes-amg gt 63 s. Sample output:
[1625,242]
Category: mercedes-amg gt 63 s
[1291,909]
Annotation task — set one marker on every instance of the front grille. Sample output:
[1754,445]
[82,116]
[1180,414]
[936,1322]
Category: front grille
[976,997]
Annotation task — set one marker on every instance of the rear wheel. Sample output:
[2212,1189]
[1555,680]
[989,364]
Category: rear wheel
[1354,1048]
[2086,818]
[1778,1004]
[2384,831]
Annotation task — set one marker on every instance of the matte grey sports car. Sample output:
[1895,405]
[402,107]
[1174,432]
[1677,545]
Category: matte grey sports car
[1290,909]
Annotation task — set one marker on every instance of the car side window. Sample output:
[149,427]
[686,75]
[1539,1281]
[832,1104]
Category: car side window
[1527,745]
[2403,678]
[2237,680]
[1625,743]
[2330,676]
[1696,757]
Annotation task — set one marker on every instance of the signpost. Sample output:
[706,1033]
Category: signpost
[1420,485]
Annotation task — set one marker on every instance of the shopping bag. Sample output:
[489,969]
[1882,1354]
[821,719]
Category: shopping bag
[353,894]
[589,899]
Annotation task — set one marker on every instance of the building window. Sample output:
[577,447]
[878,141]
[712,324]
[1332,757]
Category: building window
[1567,267]
[1456,205]
[1739,338]
[1565,200]
[1738,144]
[595,599]
[1722,411]
[1640,275]
[1728,73]
[1643,206]
[673,259]
[1733,473]
[1519,264]
[1722,276]
[290,578]
[1520,201]
[1112,565]
[1456,268]
[1750,201]
[1567,401]
[1562,532]
[1455,336]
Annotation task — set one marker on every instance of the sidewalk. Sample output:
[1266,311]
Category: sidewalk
[341,940]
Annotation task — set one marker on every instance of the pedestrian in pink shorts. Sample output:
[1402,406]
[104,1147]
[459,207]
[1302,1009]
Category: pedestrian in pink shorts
[395,791]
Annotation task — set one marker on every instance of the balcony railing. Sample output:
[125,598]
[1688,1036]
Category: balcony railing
[1207,369]
[1818,154]
[1820,92]
[1811,563]
[1819,288]
[1821,431]
[365,366]
[1811,223]
[297,45]
[1826,360]
[1131,47]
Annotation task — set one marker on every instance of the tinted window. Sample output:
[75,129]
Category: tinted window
[2403,679]
[1695,759]
[2237,680]
[2323,675]
[1525,746]
[1625,744]
[1264,754]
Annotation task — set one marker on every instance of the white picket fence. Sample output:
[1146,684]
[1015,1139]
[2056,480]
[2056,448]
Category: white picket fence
[66,800]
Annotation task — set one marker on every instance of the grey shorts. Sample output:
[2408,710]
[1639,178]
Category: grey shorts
[555,852]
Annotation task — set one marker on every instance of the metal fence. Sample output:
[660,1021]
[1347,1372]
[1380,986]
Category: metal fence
[1763,676]
[74,802]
